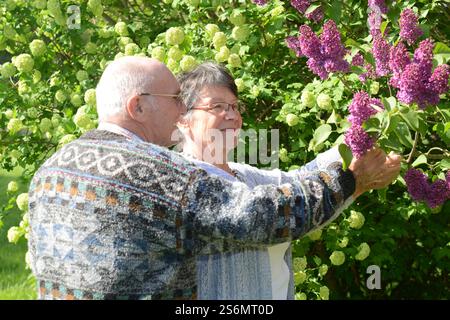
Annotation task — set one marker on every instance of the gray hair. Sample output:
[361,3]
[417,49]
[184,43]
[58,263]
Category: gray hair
[121,79]
[205,74]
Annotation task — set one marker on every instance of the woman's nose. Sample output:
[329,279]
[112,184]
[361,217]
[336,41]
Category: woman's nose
[232,113]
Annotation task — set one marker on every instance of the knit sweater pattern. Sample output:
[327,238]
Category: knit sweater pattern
[112,218]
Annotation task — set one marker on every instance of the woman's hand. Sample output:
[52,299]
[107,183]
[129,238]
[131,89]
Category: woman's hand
[374,170]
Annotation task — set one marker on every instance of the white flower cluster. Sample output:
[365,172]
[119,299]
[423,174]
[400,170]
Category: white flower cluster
[363,251]
[356,219]
[38,47]
[174,36]
[337,258]
[8,70]
[23,62]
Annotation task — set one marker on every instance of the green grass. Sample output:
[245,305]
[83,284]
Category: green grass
[16,282]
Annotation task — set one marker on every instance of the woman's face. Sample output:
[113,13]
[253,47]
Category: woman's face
[206,124]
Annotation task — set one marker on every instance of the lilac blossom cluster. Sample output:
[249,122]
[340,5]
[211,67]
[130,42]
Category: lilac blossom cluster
[380,51]
[374,20]
[409,28]
[361,108]
[303,5]
[434,194]
[358,140]
[358,60]
[416,81]
[260,2]
[377,8]
[294,44]
[325,54]
[378,5]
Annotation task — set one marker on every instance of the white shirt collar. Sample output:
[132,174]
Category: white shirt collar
[114,128]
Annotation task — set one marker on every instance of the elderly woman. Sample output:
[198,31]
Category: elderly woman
[210,128]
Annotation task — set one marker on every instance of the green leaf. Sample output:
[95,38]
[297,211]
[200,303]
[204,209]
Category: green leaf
[446,114]
[352,43]
[447,127]
[334,11]
[383,26]
[440,47]
[420,160]
[346,155]
[372,125]
[392,124]
[389,103]
[382,194]
[333,118]
[317,260]
[444,164]
[322,133]
[403,134]
[312,8]
[412,119]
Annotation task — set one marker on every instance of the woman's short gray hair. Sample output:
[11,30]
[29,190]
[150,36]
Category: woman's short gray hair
[205,74]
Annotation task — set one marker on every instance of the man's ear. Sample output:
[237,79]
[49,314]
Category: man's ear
[134,110]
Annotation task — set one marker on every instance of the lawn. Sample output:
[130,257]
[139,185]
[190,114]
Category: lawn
[16,282]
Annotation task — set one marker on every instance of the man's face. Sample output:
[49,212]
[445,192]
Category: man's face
[167,109]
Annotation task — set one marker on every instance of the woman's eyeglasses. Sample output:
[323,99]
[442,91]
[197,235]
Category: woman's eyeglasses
[222,107]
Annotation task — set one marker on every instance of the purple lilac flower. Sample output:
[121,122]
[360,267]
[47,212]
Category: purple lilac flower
[438,193]
[260,2]
[317,67]
[303,5]
[333,65]
[317,15]
[380,52]
[398,60]
[417,83]
[369,74]
[326,54]
[375,102]
[358,60]
[411,85]
[294,44]
[409,29]
[358,140]
[417,184]
[378,5]
[331,40]
[309,43]
[438,82]
[360,109]
[423,56]
[374,21]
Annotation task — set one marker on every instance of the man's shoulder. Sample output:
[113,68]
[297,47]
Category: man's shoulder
[105,154]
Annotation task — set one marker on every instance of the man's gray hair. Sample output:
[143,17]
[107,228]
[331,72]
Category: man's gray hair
[121,79]
[205,74]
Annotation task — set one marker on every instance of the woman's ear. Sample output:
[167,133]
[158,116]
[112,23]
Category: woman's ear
[182,123]
[184,127]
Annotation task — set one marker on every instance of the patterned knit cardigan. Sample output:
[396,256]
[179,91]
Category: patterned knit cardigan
[112,218]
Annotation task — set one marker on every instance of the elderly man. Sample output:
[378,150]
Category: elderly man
[114,216]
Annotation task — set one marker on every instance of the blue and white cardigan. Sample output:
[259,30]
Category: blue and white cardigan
[264,273]
[113,218]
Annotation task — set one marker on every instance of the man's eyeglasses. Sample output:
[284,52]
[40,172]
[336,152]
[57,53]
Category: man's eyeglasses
[175,96]
[222,107]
